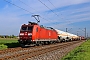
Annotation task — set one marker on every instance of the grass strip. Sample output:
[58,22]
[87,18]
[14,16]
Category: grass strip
[80,53]
[8,43]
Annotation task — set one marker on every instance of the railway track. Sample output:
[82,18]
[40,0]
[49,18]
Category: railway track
[27,53]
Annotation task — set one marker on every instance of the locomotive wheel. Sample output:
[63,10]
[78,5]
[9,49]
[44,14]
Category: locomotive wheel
[22,45]
[46,42]
[38,43]
[42,43]
[51,42]
[64,40]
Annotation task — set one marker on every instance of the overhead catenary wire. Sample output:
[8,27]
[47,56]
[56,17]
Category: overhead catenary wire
[51,3]
[25,10]
[53,6]
[22,8]
[28,5]
[47,7]
[19,7]
[33,9]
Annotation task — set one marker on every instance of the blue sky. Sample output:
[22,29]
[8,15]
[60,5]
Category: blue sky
[71,14]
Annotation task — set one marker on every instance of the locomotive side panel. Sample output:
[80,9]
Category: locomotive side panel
[35,32]
[42,34]
[46,34]
[54,35]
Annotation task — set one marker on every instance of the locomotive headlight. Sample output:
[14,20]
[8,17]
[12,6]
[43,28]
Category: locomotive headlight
[29,34]
[21,34]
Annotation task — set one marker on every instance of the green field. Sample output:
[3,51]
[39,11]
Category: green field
[80,53]
[8,43]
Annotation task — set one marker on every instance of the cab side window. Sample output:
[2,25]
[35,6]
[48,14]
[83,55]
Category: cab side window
[37,29]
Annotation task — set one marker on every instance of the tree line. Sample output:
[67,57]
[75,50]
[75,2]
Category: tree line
[8,36]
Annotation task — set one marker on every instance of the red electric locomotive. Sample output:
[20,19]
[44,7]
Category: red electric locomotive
[32,33]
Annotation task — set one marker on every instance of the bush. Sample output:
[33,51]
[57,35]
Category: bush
[2,46]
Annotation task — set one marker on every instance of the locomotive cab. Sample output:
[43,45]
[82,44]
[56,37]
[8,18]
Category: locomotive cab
[26,35]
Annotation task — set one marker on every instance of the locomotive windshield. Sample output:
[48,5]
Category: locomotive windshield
[30,28]
[27,28]
[24,28]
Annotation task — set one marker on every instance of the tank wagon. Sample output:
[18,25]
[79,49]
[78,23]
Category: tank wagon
[65,36]
[32,33]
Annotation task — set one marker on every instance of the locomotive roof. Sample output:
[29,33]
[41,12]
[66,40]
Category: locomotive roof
[32,23]
[50,28]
